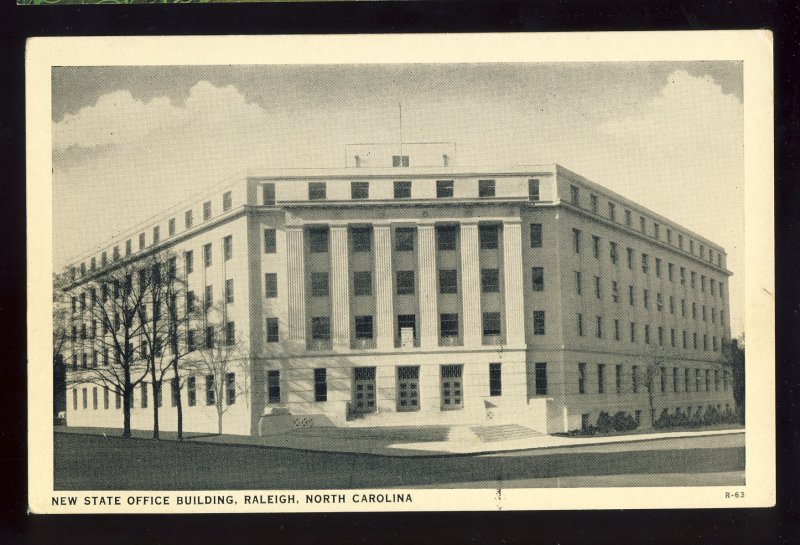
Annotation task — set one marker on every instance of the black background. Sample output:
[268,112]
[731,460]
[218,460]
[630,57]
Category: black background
[776,525]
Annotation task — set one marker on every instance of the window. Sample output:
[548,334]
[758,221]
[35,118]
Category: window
[271,285]
[697,380]
[317,191]
[612,212]
[645,263]
[705,342]
[444,189]
[209,297]
[491,324]
[614,291]
[188,219]
[686,379]
[601,378]
[448,324]
[628,219]
[206,210]
[659,302]
[495,380]
[363,327]
[490,280]
[716,380]
[362,283]
[448,281]
[174,392]
[703,283]
[683,276]
[578,282]
[593,200]
[272,330]
[143,399]
[694,279]
[581,378]
[128,248]
[269,194]
[597,287]
[536,235]
[658,267]
[446,237]
[538,322]
[487,235]
[596,246]
[190,301]
[669,236]
[612,252]
[191,340]
[191,391]
[405,282]
[537,278]
[406,322]
[207,256]
[361,238]
[273,386]
[663,376]
[635,379]
[270,242]
[704,313]
[685,344]
[230,333]
[171,226]
[660,335]
[359,190]
[188,258]
[229,290]
[400,160]
[656,231]
[210,392]
[642,224]
[533,190]
[630,258]
[230,388]
[672,337]
[646,334]
[576,240]
[227,247]
[141,241]
[708,380]
[646,298]
[599,329]
[694,340]
[694,311]
[616,329]
[402,190]
[94,398]
[580,324]
[486,188]
[451,389]
[320,385]
[540,378]
[318,240]
[575,195]
[618,378]
[321,328]
[404,239]
[319,284]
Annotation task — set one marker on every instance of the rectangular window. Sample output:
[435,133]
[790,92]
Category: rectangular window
[628,218]
[206,210]
[271,285]
[575,195]
[599,330]
[536,235]
[227,201]
[229,290]
[642,224]
[612,252]
[210,336]
[646,298]
[446,237]
[672,337]
[601,378]
[448,281]
[658,267]
[612,212]
[141,241]
[576,240]
[490,280]
[708,380]
[188,219]
[444,189]
[209,297]
[451,386]
[362,283]
[597,290]
[268,194]
[630,258]
[143,400]
[674,379]
[663,376]
[596,246]
[270,241]
[614,291]
[694,279]
[363,327]
[594,202]
[319,284]
[616,329]
[188,259]
[581,378]
[580,324]
[538,322]
[487,236]
[659,302]
[402,190]
[230,333]
[697,380]
[191,391]
[537,278]
[94,398]
[359,190]
[272,330]
[317,191]
[448,325]
[207,256]
[105,397]
[400,160]
[361,239]
[645,263]
[405,282]
[174,392]
[686,379]
[618,378]
[171,227]
[74,399]
[656,231]
[541,378]
[230,388]
[321,328]
[703,283]
[671,304]
[191,340]
[320,385]
[533,190]
[486,188]
[404,239]
[646,334]
[318,240]
[491,324]
[635,379]
[406,324]
[128,248]
[495,380]
[210,392]
[227,247]
[578,282]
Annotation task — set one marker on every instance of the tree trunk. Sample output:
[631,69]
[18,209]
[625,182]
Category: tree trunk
[219,422]
[156,394]
[180,408]
[126,404]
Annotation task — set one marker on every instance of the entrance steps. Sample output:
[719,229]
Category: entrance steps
[503,432]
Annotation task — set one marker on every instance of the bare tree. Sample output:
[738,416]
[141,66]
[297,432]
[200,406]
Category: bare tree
[60,336]
[655,376]
[733,353]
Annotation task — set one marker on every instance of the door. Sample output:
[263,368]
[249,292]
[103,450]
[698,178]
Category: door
[364,389]
[452,387]
[408,388]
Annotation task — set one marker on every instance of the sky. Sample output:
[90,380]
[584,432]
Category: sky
[129,142]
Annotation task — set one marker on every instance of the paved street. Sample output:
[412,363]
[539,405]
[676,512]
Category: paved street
[105,463]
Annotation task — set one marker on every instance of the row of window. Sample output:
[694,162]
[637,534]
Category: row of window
[594,200]
[655,379]
[599,333]
[229,388]
[227,203]
[318,191]
[713,285]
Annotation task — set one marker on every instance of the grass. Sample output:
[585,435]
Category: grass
[640,431]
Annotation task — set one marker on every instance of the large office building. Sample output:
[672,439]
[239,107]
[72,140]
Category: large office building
[398,291]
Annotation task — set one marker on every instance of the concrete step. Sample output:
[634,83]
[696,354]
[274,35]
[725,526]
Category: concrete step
[503,432]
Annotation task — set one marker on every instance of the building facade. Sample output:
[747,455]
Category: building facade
[394,294]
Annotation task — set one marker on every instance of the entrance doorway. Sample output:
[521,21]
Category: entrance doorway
[408,388]
[364,390]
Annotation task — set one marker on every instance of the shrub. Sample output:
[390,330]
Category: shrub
[623,421]
[604,423]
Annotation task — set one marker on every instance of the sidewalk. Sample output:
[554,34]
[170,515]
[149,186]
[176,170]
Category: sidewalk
[423,441]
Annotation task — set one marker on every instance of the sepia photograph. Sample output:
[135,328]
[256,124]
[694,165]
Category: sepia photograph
[305,278]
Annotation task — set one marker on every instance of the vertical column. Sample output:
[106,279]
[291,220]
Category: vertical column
[428,307]
[340,287]
[512,276]
[471,284]
[384,301]
[295,251]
